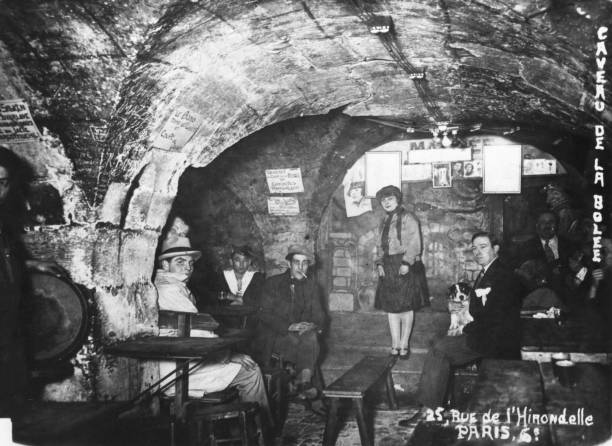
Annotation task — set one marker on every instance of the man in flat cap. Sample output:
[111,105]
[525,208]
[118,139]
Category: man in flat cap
[292,317]
[229,369]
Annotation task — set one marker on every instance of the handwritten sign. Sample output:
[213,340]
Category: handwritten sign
[284,181]
[515,424]
[16,123]
[283,206]
[178,129]
[98,132]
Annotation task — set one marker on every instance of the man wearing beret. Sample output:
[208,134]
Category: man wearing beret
[292,316]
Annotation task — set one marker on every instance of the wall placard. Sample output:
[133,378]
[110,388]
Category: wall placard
[382,169]
[501,169]
[16,123]
[283,206]
[284,181]
[439,155]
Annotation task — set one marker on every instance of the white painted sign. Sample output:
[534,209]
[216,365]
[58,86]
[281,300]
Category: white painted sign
[382,169]
[16,123]
[283,206]
[501,169]
[178,129]
[439,155]
[284,181]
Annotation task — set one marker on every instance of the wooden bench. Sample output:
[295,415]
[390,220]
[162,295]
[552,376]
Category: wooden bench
[353,385]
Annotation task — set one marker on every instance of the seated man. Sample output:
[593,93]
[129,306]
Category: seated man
[494,332]
[236,370]
[292,316]
[563,269]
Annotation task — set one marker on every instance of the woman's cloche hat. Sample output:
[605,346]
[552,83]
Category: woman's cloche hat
[178,246]
[389,191]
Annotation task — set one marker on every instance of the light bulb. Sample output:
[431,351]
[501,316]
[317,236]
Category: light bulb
[446,141]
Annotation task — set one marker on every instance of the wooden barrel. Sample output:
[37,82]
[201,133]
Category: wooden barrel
[59,319]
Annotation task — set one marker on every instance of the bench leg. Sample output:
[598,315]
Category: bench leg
[364,431]
[391,399]
[329,436]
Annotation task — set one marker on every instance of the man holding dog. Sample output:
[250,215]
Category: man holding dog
[494,332]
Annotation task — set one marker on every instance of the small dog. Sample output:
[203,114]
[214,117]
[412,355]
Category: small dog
[458,307]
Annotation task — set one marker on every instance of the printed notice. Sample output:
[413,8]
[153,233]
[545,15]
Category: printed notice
[283,206]
[178,129]
[284,181]
[16,123]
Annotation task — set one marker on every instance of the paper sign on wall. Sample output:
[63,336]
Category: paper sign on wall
[501,168]
[178,129]
[284,181]
[16,123]
[283,206]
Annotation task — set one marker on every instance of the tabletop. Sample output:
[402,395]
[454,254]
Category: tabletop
[163,347]
[540,338]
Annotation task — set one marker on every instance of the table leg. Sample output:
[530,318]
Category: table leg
[181,388]
[391,399]
[329,436]
[364,432]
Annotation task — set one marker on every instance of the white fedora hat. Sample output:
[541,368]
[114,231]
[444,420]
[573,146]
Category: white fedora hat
[178,246]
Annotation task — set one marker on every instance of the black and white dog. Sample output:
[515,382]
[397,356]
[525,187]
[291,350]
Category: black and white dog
[458,307]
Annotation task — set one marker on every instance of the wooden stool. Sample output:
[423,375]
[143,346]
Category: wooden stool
[353,385]
[200,417]
[470,369]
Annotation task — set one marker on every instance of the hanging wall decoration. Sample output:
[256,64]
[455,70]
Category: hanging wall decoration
[502,168]
[441,175]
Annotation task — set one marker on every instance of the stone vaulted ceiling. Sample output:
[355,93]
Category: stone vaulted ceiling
[238,66]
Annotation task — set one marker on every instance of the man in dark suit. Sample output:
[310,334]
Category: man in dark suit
[292,316]
[559,258]
[494,332]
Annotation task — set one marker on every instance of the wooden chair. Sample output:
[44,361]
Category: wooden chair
[468,371]
[203,421]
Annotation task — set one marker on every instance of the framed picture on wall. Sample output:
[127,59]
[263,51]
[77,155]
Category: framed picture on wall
[441,175]
[382,169]
[501,169]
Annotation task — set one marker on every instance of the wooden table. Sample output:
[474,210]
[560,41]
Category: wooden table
[180,349]
[541,338]
[241,312]
[591,393]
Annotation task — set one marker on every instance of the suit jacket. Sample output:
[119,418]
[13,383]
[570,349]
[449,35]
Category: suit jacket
[532,249]
[495,331]
[279,310]
[559,276]
[252,293]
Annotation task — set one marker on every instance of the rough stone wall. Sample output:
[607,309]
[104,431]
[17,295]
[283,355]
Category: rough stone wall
[322,147]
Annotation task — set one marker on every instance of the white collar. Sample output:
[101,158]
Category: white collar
[232,281]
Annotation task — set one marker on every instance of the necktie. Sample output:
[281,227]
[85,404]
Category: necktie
[548,252]
[479,278]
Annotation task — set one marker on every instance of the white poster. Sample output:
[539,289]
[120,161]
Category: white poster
[16,123]
[439,155]
[283,206]
[355,201]
[382,169]
[502,169]
[284,181]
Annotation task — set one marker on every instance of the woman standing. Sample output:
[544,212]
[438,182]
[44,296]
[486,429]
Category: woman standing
[402,286]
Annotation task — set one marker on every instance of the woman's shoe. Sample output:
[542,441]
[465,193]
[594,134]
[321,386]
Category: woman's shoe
[404,353]
[394,351]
